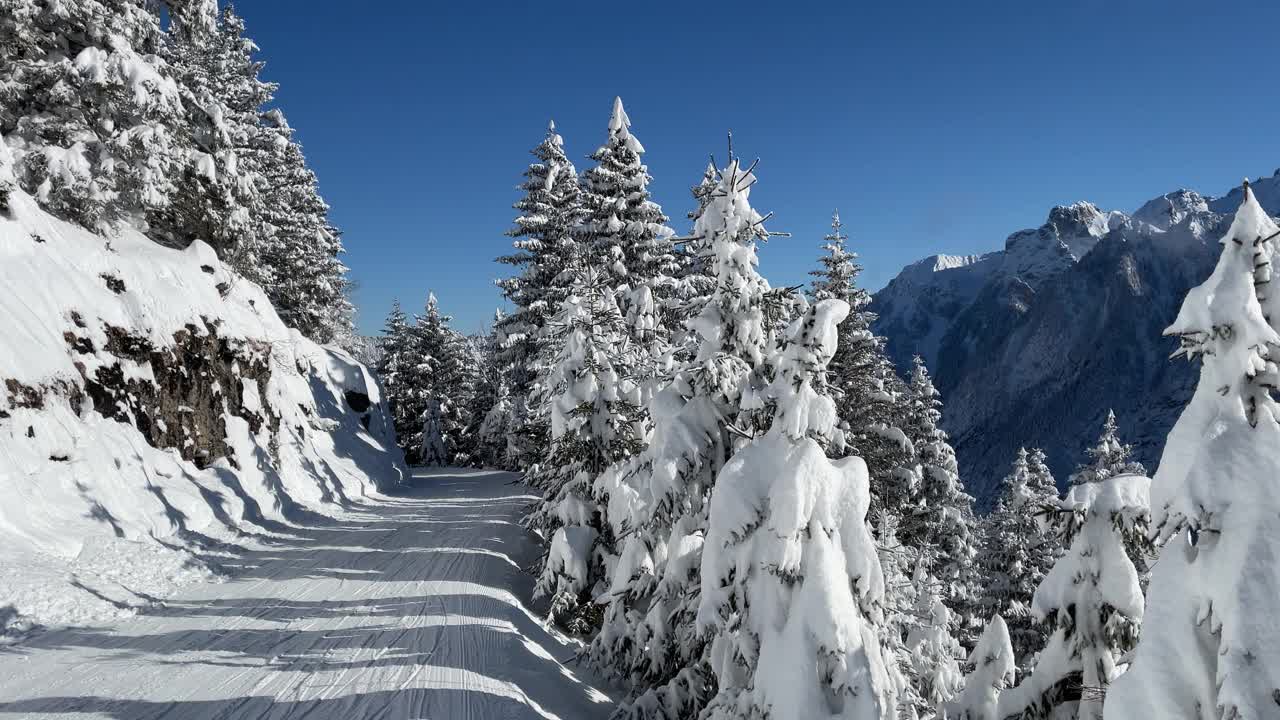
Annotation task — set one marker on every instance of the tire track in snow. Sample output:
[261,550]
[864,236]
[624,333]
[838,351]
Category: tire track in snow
[409,607]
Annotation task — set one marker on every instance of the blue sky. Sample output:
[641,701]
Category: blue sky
[932,126]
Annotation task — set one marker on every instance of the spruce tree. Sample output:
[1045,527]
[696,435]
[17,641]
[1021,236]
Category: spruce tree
[626,233]
[217,185]
[1018,550]
[935,654]
[1092,600]
[89,108]
[544,247]
[621,226]
[869,392]
[593,413]
[658,501]
[791,584]
[300,249]
[694,280]
[443,380]
[1210,645]
[397,369]
[938,522]
[1108,457]
[992,671]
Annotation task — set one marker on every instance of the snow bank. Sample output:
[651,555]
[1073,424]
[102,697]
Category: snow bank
[152,402]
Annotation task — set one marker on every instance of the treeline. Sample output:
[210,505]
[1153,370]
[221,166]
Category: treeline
[155,115]
[696,433]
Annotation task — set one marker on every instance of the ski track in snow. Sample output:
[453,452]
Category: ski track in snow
[407,607]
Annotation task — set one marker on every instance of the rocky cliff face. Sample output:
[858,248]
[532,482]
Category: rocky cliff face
[1065,325]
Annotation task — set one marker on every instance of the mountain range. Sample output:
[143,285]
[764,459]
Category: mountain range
[1033,344]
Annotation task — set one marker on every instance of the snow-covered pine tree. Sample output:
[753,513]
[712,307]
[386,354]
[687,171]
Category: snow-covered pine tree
[441,372]
[935,654]
[1092,600]
[217,181]
[481,447]
[791,584]
[658,501]
[1108,457]
[694,280]
[544,247]
[593,412]
[1210,646]
[434,452]
[88,108]
[694,258]
[1017,551]
[938,522]
[300,250]
[900,597]
[992,669]
[622,227]
[398,370]
[862,378]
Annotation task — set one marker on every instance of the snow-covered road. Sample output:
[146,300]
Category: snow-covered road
[407,608]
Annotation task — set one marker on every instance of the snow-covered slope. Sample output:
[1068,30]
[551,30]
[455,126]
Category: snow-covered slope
[152,402]
[1064,326]
[918,306]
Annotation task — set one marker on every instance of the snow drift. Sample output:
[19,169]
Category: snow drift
[153,403]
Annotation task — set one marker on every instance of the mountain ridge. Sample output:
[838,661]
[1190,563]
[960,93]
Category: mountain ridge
[1033,344]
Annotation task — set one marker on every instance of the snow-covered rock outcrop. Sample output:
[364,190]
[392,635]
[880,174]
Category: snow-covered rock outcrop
[153,403]
[1061,326]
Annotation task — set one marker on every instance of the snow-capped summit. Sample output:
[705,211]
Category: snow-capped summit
[918,305]
[1172,208]
[1070,232]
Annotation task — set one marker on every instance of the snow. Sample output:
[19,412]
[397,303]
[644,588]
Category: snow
[993,670]
[406,606]
[85,494]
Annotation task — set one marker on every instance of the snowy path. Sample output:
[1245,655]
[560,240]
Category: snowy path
[408,608]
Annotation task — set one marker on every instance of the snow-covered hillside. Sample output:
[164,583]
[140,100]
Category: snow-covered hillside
[1033,345]
[153,403]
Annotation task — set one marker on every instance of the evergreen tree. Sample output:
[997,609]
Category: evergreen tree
[934,652]
[621,226]
[1092,600]
[624,230]
[434,452]
[938,523]
[658,500]
[1108,457]
[301,269]
[443,379]
[993,667]
[791,584]
[480,444]
[694,280]
[1018,551]
[88,107]
[1210,645]
[593,414]
[901,595]
[217,184]
[550,208]
[397,368]
[869,391]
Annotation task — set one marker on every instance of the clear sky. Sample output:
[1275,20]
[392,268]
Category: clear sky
[933,126]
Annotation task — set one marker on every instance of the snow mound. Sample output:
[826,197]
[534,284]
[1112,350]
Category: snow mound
[153,403]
